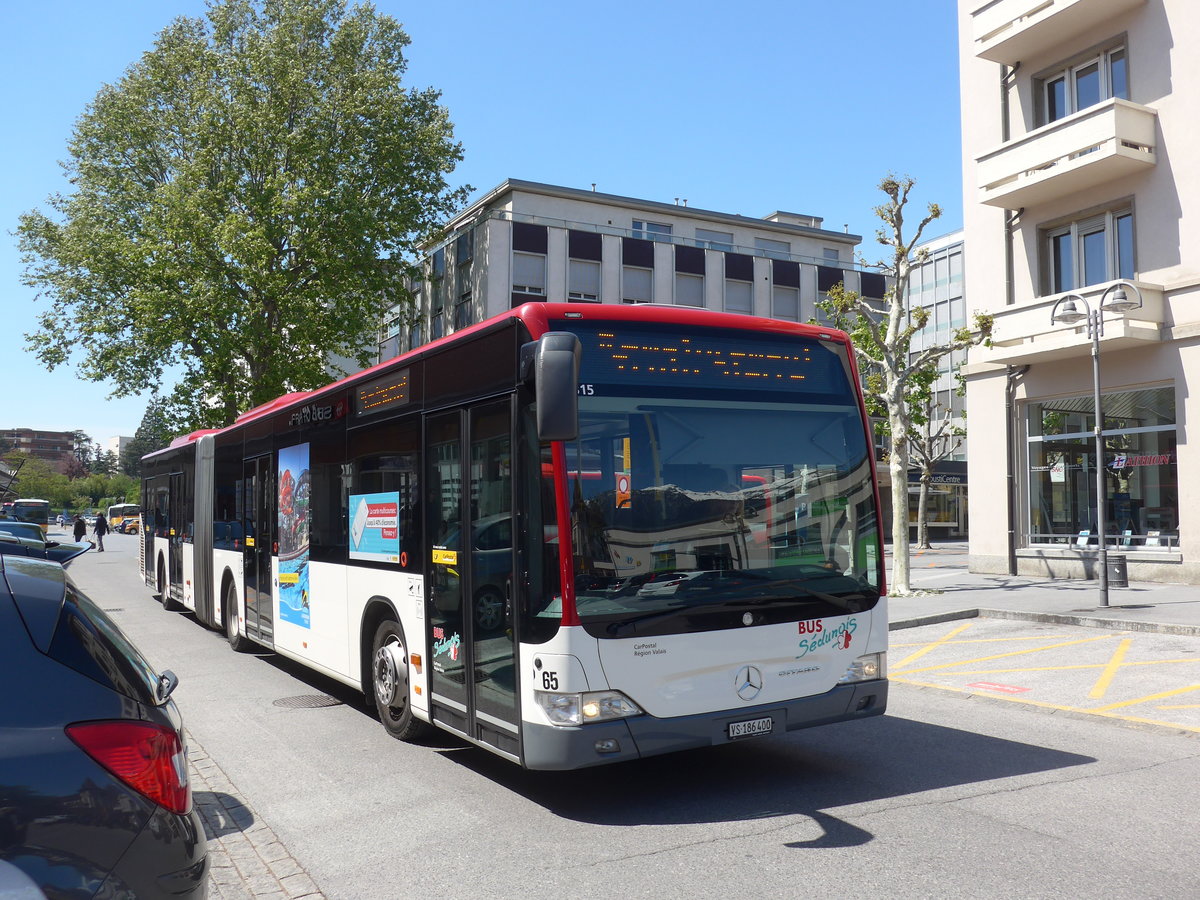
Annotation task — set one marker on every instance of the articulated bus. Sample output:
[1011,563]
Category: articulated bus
[122,511]
[31,510]
[571,534]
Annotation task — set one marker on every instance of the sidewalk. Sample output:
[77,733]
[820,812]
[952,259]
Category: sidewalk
[948,591]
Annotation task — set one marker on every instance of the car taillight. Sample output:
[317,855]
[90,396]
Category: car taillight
[147,757]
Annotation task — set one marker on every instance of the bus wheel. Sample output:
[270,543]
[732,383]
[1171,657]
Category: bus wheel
[229,617]
[164,591]
[389,682]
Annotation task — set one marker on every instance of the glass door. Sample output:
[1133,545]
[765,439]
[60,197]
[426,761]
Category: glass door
[259,506]
[470,510]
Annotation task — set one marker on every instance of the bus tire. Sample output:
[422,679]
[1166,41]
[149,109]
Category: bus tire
[389,683]
[238,642]
[164,590]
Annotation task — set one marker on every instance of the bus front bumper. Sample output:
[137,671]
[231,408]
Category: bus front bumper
[577,747]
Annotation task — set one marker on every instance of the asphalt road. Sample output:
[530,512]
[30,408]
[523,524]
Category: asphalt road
[950,794]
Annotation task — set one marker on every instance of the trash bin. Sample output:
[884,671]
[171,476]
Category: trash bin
[1118,573]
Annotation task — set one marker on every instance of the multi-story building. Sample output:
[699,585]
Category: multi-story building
[527,241]
[1079,182]
[51,446]
[936,284]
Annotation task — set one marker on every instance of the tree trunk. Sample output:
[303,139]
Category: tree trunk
[923,512]
[898,584]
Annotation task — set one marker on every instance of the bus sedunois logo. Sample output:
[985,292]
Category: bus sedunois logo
[748,682]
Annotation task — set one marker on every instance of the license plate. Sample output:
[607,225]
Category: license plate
[751,727]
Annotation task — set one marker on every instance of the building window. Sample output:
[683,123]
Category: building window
[773,249]
[584,280]
[651,231]
[1141,483]
[1089,251]
[529,273]
[831,255]
[785,303]
[714,240]
[739,283]
[1083,83]
[689,289]
[437,326]
[463,312]
[391,323]
[437,279]
[637,285]
[689,276]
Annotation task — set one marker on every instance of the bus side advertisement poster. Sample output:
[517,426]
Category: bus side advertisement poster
[375,527]
[295,490]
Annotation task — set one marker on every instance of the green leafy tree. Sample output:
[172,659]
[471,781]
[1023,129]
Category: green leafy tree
[154,433]
[243,198]
[106,463]
[37,478]
[883,347]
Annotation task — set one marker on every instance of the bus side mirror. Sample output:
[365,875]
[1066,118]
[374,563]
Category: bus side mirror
[552,364]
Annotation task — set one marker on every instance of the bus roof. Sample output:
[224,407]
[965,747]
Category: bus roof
[537,317]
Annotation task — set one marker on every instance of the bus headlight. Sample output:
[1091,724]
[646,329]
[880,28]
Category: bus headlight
[871,667]
[579,709]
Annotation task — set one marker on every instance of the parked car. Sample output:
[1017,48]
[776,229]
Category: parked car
[94,792]
[26,539]
[128,526]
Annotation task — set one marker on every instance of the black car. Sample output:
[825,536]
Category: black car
[94,791]
[27,539]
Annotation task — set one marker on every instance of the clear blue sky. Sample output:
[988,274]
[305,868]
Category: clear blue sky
[799,105]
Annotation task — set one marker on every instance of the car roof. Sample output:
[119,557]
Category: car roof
[14,527]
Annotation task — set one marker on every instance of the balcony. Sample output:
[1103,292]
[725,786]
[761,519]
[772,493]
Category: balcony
[1008,31]
[1091,147]
[1023,333]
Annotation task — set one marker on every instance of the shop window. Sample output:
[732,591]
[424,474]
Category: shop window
[1141,484]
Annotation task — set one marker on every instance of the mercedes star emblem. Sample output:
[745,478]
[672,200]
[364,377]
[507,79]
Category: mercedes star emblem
[748,682]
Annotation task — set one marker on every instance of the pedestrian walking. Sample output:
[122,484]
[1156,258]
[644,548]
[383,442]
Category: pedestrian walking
[101,529]
[80,529]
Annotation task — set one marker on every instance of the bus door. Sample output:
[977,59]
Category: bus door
[259,504]
[175,531]
[469,487]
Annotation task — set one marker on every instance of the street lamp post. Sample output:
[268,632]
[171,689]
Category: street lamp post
[1066,311]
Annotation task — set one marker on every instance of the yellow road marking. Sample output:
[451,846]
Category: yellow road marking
[999,640]
[928,647]
[1101,686]
[966,662]
[1124,665]
[1184,690]
[1180,706]
[1038,703]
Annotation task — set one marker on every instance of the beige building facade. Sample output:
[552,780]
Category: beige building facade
[527,241]
[1080,184]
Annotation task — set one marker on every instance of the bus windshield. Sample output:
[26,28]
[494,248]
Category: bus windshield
[716,506]
[29,510]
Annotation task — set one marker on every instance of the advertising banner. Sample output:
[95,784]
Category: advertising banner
[375,526]
[295,491]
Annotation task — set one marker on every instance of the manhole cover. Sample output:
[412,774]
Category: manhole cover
[308,701]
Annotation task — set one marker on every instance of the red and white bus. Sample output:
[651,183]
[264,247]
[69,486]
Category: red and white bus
[572,534]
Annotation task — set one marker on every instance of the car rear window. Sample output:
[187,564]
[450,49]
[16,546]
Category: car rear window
[88,641]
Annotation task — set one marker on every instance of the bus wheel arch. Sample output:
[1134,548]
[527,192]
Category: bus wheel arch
[164,587]
[229,603]
[387,681]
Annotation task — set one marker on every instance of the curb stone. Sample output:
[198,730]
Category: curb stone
[247,861]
